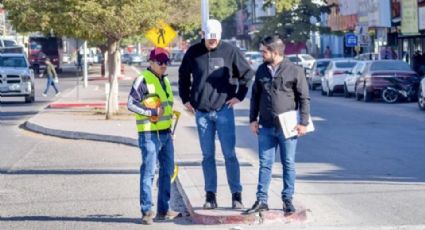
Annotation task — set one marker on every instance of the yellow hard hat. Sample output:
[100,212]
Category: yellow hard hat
[152,101]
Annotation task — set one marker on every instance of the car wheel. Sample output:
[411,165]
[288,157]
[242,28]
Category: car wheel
[421,99]
[367,97]
[357,94]
[346,93]
[30,98]
[322,91]
[313,86]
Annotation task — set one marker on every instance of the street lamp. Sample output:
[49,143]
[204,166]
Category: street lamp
[204,13]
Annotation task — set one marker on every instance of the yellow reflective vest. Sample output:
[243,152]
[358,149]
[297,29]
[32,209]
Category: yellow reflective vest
[154,87]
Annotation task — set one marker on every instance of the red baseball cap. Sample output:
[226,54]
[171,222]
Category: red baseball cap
[159,54]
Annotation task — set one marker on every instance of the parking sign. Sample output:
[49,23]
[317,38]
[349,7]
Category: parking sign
[350,40]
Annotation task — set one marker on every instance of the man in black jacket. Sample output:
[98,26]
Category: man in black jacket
[280,86]
[213,77]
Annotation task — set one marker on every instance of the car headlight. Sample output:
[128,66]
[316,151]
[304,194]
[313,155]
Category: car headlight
[26,78]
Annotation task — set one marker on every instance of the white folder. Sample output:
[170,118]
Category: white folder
[288,122]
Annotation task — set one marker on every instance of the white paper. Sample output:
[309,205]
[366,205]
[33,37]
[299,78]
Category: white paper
[288,122]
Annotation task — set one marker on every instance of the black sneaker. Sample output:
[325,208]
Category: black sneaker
[237,201]
[210,202]
[288,207]
[258,206]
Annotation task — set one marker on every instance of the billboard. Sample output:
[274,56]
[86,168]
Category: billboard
[409,14]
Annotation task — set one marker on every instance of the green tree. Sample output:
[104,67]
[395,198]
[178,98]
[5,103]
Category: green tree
[107,21]
[292,20]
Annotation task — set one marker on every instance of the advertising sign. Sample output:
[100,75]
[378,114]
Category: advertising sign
[409,14]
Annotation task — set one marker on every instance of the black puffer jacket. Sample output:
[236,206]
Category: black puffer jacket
[209,78]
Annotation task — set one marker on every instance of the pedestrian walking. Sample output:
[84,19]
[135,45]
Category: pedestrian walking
[151,99]
[213,77]
[280,86]
[52,78]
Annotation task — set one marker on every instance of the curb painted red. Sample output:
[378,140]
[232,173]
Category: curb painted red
[81,105]
[217,216]
[256,218]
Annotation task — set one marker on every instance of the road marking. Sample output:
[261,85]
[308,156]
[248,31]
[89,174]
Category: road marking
[315,118]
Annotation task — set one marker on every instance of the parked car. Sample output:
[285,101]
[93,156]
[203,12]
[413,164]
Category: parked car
[368,56]
[350,80]
[421,94]
[134,59]
[177,57]
[378,75]
[314,76]
[335,74]
[254,59]
[304,60]
[125,58]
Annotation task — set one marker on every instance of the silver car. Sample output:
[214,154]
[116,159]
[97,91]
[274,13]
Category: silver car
[350,80]
[314,76]
[16,77]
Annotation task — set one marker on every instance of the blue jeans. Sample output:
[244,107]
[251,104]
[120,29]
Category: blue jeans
[50,82]
[268,141]
[222,122]
[156,147]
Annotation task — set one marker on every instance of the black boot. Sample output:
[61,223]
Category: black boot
[210,201]
[257,207]
[237,200]
[288,207]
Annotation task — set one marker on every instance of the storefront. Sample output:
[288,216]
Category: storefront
[411,39]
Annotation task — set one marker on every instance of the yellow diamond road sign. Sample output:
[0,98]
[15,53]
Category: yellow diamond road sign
[161,35]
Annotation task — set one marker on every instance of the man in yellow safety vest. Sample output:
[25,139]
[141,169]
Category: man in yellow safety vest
[151,99]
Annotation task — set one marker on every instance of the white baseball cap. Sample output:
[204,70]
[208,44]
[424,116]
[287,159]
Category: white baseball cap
[213,29]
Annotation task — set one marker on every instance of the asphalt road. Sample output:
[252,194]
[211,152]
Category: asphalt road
[361,168]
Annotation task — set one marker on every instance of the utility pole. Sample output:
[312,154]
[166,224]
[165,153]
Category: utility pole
[85,64]
[204,13]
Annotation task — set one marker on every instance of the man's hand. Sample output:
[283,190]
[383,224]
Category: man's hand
[254,127]
[232,102]
[189,107]
[301,129]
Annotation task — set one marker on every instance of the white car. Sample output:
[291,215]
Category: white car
[350,80]
[304,60]
[254,59]
[16,77]
[335,74]
[421,95]
[314,76]
[368,56]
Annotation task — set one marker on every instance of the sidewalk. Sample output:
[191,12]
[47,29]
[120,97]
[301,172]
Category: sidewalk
[81,117]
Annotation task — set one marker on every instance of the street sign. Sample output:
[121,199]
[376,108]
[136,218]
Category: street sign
[350,40]
[161,35]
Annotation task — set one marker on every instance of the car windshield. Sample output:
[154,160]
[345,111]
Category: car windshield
[9,43]
[17,62]
[344,65]
[390,65]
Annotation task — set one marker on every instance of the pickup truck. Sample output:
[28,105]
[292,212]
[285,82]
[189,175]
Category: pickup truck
[16,77]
